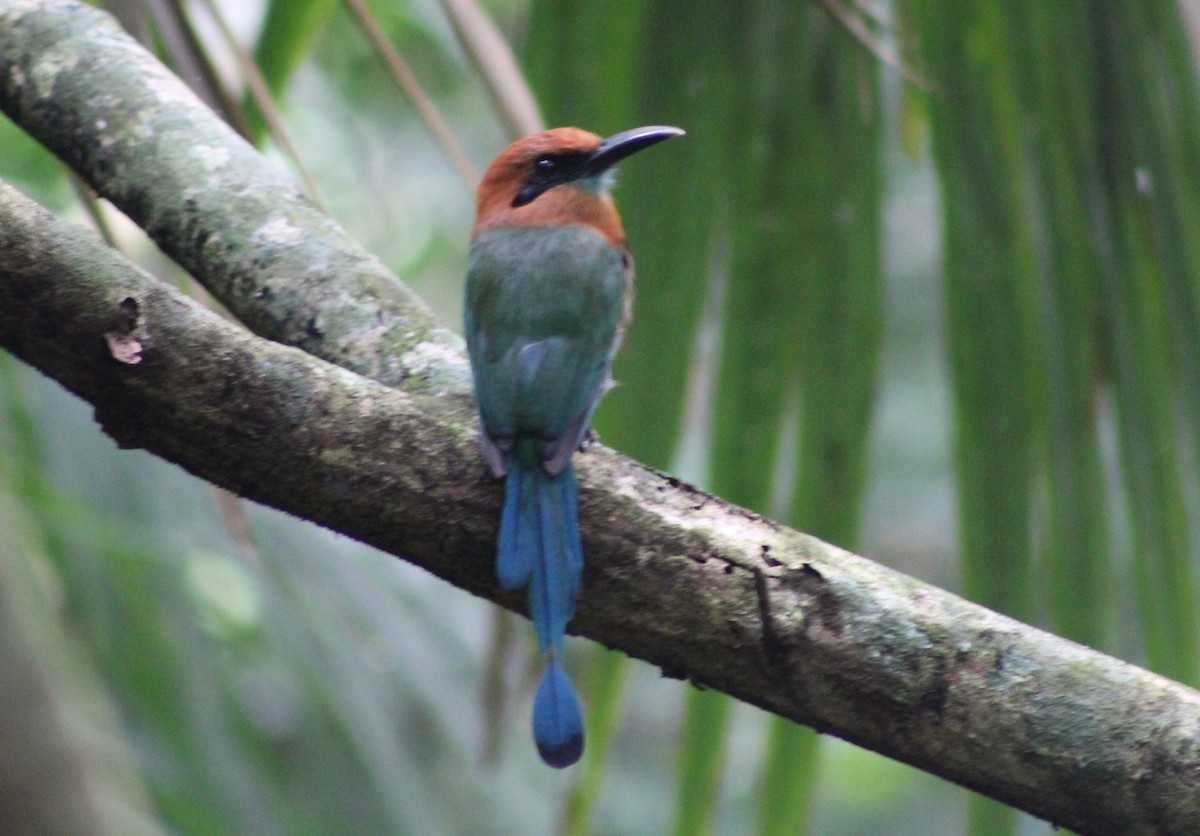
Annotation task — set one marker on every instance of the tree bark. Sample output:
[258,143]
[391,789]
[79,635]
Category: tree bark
[705,590]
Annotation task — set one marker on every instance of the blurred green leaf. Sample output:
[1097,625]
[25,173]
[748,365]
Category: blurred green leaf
[1149,116]
[1059,84]
[1065,263]
[801,336]
[700,761]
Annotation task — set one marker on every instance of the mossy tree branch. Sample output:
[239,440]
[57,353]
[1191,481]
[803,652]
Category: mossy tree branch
[92,95]
[702,589]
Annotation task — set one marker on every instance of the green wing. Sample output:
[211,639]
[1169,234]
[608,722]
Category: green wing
[542,311]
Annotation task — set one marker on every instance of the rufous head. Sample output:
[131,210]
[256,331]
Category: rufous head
[560,176]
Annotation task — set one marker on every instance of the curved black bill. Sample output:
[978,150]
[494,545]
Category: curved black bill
[619,146]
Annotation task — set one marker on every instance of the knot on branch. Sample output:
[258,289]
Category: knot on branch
[125,337]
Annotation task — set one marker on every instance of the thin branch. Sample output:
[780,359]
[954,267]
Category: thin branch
[406,80]
[702,589]
[496,65]
[858,30]
[186,53]
[260,93]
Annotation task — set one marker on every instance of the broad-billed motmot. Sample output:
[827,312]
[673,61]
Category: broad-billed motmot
[549,294]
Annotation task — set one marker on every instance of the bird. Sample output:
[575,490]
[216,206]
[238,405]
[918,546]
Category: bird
[549,294]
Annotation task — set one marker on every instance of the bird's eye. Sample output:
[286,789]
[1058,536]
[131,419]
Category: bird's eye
[545,166]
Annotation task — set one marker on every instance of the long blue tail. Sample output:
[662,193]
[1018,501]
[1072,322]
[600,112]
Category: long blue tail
[539,547]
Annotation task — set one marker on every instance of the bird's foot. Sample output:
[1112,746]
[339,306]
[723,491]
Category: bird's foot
[590,439]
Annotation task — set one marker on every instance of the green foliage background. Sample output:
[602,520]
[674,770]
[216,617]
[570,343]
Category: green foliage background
[950,324]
